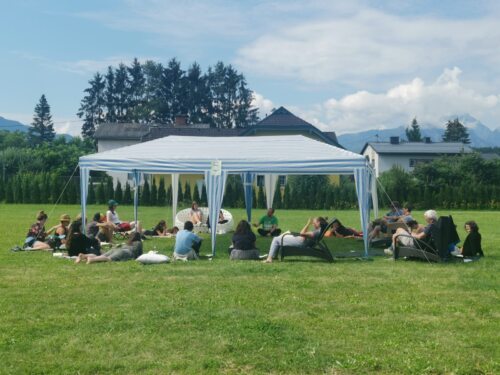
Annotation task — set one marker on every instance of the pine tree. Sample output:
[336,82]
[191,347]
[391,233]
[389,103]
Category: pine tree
[456,132]
[413,133]
[146,194]
[277,203]
[9,192]
[254,198]
[118,192]
[92,106]
[286,197]
[196,195]
[2,191]
[44,189]
[127,195]
[204,199]
[228,196]
[42,128]
[110,191]
[35,188]
[91,197]
[188,198]
[136,83]
[261,198]
[162,194]
[154,193]
[101,193]
[168,199]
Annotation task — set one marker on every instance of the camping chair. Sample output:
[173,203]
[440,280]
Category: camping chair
[435,250]
[318,249]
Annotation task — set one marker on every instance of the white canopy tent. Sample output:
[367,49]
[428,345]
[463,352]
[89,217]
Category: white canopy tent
[219,156]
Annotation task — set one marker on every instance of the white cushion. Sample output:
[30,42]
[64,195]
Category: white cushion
[153,258]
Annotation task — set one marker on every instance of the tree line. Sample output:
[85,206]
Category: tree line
[455,131]
[151,92]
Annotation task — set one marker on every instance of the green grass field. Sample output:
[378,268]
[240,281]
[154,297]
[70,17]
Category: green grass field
[349,317]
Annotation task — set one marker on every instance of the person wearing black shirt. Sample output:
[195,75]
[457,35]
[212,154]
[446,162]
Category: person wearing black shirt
[78,243]
[244,242]
[472,244]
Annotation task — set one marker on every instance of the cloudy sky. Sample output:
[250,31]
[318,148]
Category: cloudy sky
[342,65]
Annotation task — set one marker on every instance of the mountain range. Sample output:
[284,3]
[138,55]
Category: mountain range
[480,134]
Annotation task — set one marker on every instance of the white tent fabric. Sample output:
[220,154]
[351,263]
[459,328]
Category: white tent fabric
[270,186]
[287,155]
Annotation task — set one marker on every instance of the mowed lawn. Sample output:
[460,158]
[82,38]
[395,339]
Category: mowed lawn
[349,317]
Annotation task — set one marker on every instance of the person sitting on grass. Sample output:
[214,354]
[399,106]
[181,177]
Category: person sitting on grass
[100,229]
[187,244]
[305,238]
[78,243]
[269,224]
[472,244]
[425,234]
[379,226]
[132,250]
[243,242]
[195,214]
[159,230]
[60,232]
[35,238]
[120,226]
[340,231]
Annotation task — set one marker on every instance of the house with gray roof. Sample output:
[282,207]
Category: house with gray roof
[384,155]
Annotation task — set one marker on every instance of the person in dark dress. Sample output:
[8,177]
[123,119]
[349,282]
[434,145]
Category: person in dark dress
[244,242]
[132,250]
[159,230]
[78,243]
[472,244]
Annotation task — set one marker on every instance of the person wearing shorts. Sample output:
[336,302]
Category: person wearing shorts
[119,226]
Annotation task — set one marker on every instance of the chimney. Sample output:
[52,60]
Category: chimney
[394,140]
[427,140]
[180,120]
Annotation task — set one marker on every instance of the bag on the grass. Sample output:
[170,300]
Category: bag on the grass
[153,258]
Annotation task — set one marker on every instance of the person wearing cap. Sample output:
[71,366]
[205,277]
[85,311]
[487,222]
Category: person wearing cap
[60,232]
[118,225]
[99,228]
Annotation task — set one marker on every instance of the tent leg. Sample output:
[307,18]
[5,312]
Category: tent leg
[175,196]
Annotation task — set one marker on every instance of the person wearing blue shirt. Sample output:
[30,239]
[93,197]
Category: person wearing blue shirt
[187,244]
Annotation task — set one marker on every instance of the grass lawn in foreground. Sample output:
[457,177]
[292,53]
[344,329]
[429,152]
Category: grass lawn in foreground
[349,317]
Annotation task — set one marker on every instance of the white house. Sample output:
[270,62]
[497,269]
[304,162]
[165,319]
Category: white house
[384,155]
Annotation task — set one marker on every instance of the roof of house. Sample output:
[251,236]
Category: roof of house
[281,120]
[120,131]
[418,148]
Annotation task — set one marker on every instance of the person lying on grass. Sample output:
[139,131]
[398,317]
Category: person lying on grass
[132,250]
[78,243]
[161,230]
[338,230]
[187,244]
[305,238]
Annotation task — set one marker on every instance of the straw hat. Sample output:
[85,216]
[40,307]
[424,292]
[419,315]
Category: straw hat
[65,218]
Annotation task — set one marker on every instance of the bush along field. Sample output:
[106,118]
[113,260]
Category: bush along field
[219,316]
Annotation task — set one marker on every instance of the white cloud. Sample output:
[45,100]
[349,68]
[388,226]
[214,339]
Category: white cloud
[444,97]
[62,125]
[370,44]
[264,105]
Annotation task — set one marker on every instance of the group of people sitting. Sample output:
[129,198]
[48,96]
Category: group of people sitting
[408,231]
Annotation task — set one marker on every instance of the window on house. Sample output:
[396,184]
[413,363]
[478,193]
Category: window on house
[415,162]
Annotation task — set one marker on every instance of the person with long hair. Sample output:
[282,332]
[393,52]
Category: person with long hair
[340,231]
[132,250]
[78,243]
[159,230]
[472,244]
[244,242]
[305,238]
[195,214]
[35,238]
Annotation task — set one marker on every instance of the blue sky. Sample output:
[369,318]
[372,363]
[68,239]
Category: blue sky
[343,65]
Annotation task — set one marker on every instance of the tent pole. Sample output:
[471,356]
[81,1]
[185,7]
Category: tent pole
[84,184]
[175,195]
[136,197]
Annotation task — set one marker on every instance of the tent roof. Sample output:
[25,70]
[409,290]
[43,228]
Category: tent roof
[261,154]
